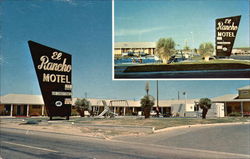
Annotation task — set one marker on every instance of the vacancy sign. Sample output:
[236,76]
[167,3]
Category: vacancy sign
[226,30]
[53,69]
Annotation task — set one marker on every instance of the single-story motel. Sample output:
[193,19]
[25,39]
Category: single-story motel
[33,105]
[149,48]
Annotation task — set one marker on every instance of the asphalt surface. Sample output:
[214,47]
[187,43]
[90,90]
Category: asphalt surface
[228,138]
[181,144]
[241,73]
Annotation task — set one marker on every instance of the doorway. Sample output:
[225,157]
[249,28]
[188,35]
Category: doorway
[18,110]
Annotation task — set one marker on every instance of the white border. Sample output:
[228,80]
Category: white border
[152,79]
[113,39]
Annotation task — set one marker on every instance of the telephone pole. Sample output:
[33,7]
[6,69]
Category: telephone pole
[157,99]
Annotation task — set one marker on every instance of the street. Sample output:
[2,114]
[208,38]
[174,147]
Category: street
[205,142]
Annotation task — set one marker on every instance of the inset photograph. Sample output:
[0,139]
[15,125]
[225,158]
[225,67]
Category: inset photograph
[181,39]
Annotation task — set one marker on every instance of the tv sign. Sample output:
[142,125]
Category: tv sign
[226,30]
[53,69]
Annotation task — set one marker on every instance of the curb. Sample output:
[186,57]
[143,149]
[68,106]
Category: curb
[197,125]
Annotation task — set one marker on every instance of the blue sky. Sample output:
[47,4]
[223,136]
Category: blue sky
[191,21]
[83,29]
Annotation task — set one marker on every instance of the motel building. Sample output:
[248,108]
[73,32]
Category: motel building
[236,103]
[226,105]
[123,48]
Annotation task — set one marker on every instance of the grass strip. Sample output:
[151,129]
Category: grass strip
[187,67]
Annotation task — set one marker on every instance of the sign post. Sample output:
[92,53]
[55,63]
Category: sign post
[53,70]
[226,30]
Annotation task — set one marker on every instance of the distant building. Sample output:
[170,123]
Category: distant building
[241,51]
[33,105]
[134,47]
[123,48]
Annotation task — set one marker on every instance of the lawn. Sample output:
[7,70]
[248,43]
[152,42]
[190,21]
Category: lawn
[107,127]
[158,123]
[191,66]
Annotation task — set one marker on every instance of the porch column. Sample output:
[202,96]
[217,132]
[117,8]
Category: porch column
[42,110]
[11,110]
[124,111]
[225,109]
[28,109]
[241,109]
[114,109]
[133,109]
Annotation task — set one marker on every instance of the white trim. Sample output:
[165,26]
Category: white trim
[241,109]
[28,109]
[124,111]
[11,110]
[42,110]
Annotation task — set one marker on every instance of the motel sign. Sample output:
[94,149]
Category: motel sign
[226,30]
[53,69]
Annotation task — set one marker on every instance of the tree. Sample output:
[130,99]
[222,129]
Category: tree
[195,50]
[147,102]
[165,48]
[204,104]
[186,48]
[82,105]
[206,50]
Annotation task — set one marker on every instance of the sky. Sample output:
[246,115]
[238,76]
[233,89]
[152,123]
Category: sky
[190,22]
[84,29]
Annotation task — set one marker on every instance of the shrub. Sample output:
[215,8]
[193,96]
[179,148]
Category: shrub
[147,103]
[82,105]
[205,104]
[235,114]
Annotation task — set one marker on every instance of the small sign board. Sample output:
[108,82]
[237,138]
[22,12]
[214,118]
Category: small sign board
[226,30]
[53,68]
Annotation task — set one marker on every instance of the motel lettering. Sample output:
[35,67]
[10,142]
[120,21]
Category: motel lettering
[226,34]
[55,78]
[52,66]
[47,65]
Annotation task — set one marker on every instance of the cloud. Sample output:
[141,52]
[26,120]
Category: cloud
[35,5]
[126,32]
[71,2]
[87,3]
[3,60]
[82,3]
[123,18]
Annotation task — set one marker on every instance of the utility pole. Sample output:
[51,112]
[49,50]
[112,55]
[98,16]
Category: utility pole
[185,94]
[147,87]
[157,99]
[178,95]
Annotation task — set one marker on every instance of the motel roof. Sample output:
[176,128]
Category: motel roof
[244,88]
[135,44]
[21,99]
[38,100]
[229,98]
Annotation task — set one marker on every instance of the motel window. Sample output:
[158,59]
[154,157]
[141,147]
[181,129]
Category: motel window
[7,107]
[244,92]
[196,108]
